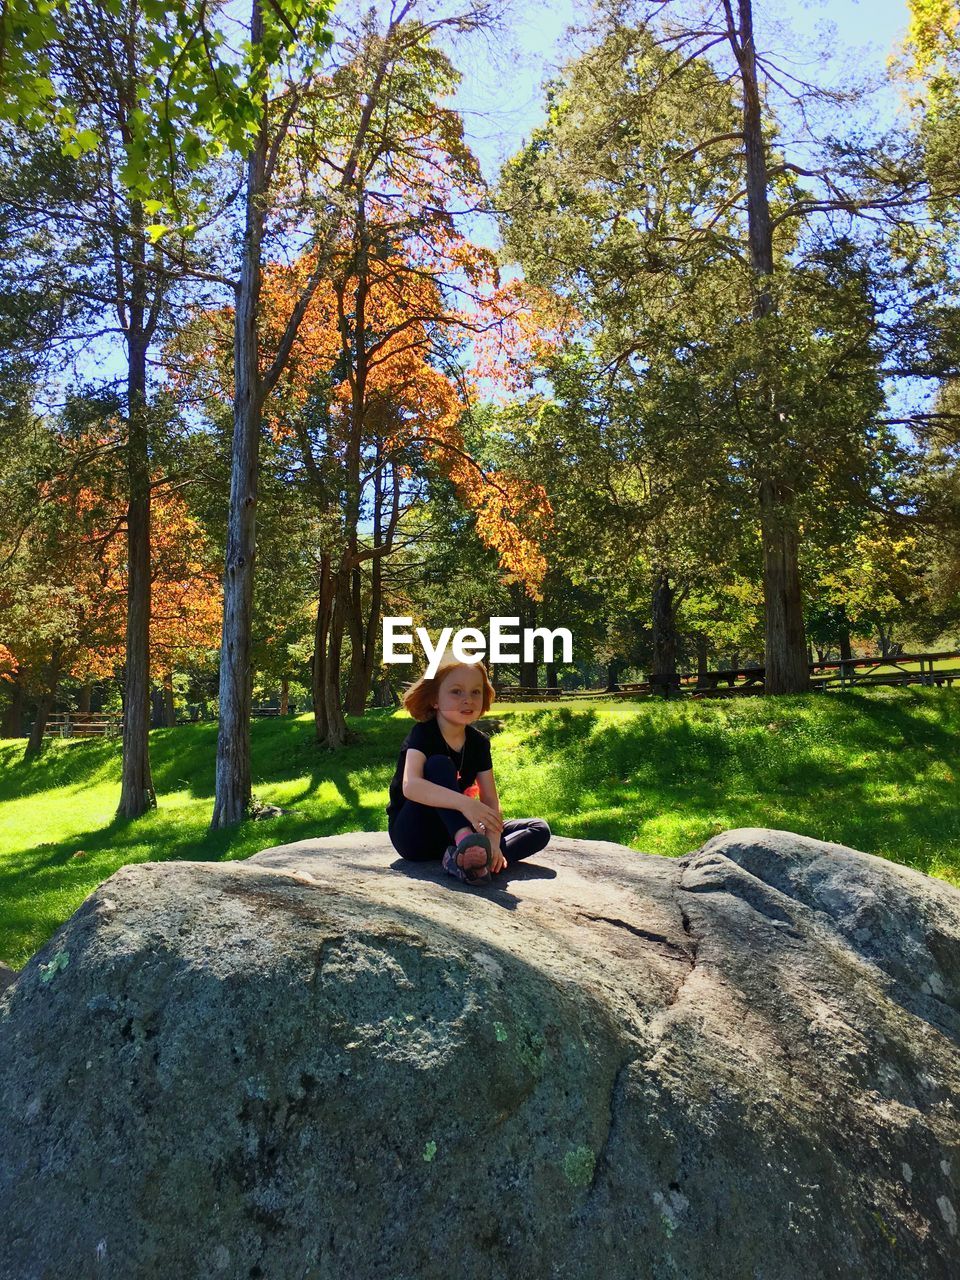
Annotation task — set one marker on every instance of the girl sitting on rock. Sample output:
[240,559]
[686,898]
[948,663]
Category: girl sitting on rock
[443,799]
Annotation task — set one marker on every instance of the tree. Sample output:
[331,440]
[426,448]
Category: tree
[99,58]
[63,583]
[382,419]
[101,68]
[713,292]
[932,69]
[199,101]
[357,386]
[365,419]
[186,606]
[344,138]
[61,604]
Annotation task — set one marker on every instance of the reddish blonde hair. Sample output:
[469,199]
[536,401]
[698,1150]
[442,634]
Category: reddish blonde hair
[422,694]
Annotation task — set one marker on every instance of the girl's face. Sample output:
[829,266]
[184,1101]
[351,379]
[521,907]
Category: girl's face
[460,696]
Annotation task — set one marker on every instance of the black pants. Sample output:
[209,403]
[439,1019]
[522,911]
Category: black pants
[421,833]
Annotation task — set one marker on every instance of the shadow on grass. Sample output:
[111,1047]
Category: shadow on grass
[63,762]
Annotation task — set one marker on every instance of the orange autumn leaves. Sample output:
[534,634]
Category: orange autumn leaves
[68,593]
[372,339]
[185,606]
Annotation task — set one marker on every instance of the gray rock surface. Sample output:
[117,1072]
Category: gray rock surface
[326,1064]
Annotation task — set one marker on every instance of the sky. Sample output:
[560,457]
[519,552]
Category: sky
[501,95]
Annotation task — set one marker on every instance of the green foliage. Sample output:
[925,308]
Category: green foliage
[674,398]
[933,71]
[197,98]
[43,268]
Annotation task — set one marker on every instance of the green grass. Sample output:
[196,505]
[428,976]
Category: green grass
[876,770]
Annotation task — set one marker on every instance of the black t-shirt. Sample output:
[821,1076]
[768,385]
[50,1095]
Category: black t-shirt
[425,736]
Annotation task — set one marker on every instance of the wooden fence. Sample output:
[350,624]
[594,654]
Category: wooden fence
[840,674]
[83,724]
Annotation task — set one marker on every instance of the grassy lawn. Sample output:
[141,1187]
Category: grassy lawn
[875,769]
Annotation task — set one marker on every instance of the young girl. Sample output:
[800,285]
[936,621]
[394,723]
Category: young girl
[443,799]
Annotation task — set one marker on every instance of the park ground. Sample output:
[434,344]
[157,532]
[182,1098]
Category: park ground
[875,770]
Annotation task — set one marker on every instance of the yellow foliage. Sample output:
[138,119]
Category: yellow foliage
[933,34]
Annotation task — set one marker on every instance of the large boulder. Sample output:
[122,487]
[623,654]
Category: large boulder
[325,1064]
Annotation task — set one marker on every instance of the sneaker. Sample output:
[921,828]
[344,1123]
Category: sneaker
[469,875]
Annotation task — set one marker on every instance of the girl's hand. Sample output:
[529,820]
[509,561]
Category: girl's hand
[499,862]
[480,815]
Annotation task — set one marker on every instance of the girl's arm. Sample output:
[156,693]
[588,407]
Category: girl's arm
[420,789]
[417,787]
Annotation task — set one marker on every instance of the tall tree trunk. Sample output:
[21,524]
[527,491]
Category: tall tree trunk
[785,642]
[786,647]
[700,640]
[361,652]
[233,739]
[358,684]
[664,629]
[84,695]
[169,708]
[336,726]
[321,633]
[45,705]
[529,673]
[551,675]
[612,669]
[846,650]
[759,230]
[363,657]
[384,693]
[136,787]
[348,604]
[284,695]
[13,716]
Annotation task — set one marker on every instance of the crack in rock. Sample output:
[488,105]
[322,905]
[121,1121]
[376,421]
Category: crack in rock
[691,954]
[615,1089]
[646,935]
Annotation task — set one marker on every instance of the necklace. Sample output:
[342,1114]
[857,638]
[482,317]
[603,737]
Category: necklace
[453,754]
